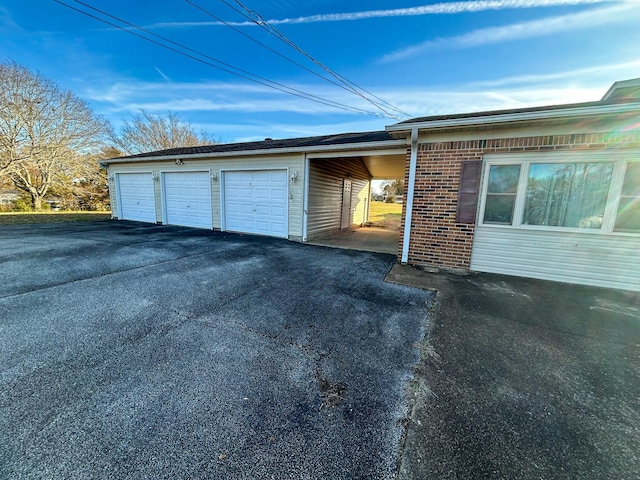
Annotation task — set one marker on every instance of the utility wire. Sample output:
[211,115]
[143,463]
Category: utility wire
[256,18]
[264,45]
[245,74]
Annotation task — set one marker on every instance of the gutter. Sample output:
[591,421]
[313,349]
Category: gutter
[516,117]
[409,206]
[270,151]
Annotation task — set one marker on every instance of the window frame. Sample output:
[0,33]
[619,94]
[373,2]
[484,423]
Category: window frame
[620,198]
[618,158]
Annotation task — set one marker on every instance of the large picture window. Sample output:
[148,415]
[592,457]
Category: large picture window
[590,192]
[567,194]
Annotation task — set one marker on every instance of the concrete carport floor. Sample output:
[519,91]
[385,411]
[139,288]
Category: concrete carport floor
[368,239]
[141,351]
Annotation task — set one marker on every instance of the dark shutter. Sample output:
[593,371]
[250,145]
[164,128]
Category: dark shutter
[468,191]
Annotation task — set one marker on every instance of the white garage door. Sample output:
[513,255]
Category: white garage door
[136,199]
[256,202]
[187,199]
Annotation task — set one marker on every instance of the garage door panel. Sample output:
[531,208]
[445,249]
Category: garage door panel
[188,199]
[136,197]
[263,193]
[256,202]
[279,194]
[277,212]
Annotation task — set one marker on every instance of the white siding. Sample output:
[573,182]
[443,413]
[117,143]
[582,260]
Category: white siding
[590,259]
[326,179]
[292,162]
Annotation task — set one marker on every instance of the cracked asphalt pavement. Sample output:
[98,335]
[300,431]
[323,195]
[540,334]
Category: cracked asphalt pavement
[140,351]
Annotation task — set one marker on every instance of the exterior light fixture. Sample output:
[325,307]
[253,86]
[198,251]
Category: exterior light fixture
[294,176]
[214,176]
[155,176]
[111,176]
[179,162]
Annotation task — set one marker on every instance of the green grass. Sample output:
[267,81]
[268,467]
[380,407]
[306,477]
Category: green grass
[386,215]
[23,218]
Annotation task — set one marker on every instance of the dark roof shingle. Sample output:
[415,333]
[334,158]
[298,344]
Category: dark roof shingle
[268,144]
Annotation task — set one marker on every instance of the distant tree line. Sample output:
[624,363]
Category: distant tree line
[51,142]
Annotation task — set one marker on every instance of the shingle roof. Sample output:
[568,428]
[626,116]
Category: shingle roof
[268,144]
[623,92]
[491,113]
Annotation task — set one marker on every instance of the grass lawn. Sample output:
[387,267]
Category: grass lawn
[386,215]
[21,218]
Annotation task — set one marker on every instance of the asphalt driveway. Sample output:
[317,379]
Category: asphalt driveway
[525,379]
[131,351]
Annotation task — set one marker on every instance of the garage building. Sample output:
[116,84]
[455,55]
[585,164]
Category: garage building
[546,192]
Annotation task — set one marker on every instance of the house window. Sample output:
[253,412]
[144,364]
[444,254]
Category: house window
[577,192]
[501,194]
[628,214]
[567,194]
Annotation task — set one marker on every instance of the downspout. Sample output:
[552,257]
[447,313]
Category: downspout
[409,205]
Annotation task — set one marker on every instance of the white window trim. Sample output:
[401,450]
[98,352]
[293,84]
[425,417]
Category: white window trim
[618,158]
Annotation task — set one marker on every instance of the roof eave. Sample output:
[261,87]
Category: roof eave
[516,117]
[267,151]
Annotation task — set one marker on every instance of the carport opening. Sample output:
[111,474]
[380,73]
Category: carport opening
[345,206]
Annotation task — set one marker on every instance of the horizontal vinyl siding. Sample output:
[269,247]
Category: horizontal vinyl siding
[590,259]
[294,163]
[325,193]
[359,198]
[113,199]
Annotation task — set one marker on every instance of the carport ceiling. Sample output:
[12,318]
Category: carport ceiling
[385,167]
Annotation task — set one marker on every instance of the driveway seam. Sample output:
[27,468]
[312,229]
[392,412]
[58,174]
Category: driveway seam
[71,282]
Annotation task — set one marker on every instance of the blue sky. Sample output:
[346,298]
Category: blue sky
[425,58]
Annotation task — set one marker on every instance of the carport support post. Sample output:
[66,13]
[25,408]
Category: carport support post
[305,199]
[409,205]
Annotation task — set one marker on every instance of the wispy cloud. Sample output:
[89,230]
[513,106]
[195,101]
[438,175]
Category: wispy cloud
[523,30]
[216,98]
[631,66]
[238,111]
[443,8]
[162,74]
[6,20]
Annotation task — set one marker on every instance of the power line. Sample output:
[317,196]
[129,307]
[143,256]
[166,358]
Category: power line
[227,24]
[229,68]
[256,18]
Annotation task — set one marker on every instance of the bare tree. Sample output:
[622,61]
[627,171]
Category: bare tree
[392,188]
[147,132]
[44,131]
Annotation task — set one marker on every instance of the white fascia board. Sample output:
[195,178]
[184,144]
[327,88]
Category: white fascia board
[362,153]
[364,146]
[517,117]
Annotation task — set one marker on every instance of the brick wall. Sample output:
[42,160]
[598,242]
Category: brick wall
[436,239]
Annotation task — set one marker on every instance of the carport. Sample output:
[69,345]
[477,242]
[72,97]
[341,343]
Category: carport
[339,199]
